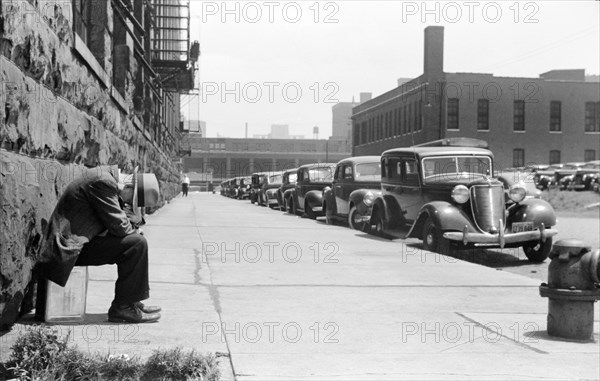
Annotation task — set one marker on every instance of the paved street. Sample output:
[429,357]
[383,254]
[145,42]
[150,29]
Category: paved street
[299,299]
[585,228]
[290,298]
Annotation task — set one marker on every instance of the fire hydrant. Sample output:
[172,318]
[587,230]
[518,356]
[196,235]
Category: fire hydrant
[573,287]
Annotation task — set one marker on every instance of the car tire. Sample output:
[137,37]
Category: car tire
[433,239]
[309,212]
[290,206]
[351,220]
[377,220]
[283,206]
[328,215]
[537,252]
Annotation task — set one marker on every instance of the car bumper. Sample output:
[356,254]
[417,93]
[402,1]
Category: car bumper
[576,186]
[500,239]
[272,201]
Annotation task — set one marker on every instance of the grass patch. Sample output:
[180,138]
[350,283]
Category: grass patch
[40,354]
[570,201]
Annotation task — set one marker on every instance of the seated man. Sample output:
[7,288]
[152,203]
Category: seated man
[89,228]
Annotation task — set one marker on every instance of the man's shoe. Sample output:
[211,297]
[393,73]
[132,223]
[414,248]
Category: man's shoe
[130,314]
[147,309]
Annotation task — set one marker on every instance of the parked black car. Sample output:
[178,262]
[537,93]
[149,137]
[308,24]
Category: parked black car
[445,193]
[356,183]
[307,196]
[585,177]
[288,181]
[243,188]
[269,188]
[257,180]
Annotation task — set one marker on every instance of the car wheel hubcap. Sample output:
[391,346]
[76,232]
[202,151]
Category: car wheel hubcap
[430,239]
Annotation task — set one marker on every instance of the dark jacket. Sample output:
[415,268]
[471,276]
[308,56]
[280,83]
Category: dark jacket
[88,207]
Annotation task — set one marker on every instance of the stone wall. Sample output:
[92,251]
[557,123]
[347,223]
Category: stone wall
[58,111]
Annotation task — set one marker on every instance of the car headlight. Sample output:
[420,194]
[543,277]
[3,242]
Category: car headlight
[460,194]
[368,198]
[517,192]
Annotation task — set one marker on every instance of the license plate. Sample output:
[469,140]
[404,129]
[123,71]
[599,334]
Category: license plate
[518,227]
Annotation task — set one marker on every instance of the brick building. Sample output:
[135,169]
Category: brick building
[553,118]
[82,83]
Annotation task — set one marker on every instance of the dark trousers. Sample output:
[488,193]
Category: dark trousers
[130,254]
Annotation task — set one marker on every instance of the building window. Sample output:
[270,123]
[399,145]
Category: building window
[453,114]
[420,124]
[592,116]
[82,18]
[397,129]
[483,115]
[589,155]
[554,157]
[417,116]
[386,133]
[404,120]
[410,118]
[555,116]
[518,157]
[519,116]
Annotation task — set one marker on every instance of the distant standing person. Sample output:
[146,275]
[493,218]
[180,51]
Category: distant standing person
[185,185]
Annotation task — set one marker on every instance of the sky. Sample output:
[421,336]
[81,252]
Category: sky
[289,62]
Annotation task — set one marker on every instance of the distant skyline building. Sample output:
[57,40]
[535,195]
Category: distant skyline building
[278,131]
[341,124]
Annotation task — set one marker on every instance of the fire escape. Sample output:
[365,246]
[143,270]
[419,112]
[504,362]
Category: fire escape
[173,57]
[166,62]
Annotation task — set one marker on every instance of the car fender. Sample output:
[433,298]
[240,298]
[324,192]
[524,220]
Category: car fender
[313,198]
[289,193]
[388,209]
[356,199]
[329,200]
[532,210]
[454,219]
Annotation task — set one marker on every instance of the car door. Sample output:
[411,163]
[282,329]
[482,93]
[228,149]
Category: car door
[410,189]
[338,188]
[301,186]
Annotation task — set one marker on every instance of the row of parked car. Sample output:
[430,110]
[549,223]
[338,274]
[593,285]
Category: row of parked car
[570,176]
[443,192]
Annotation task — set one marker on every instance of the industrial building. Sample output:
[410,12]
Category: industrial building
[549,119]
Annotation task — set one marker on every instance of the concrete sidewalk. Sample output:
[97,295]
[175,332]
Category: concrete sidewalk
[285,298]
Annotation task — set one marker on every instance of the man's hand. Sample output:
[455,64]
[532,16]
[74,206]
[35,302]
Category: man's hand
[139,231]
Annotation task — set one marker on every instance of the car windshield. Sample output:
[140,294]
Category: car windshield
[454,168]
[320,174]
[571,166]
[368,172]
[290,178]
[275,179]
[591,166]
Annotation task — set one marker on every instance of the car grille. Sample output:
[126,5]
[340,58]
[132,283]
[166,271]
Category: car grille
[487,203]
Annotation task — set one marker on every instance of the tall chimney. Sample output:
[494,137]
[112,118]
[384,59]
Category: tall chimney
[434,51]
[365,97]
